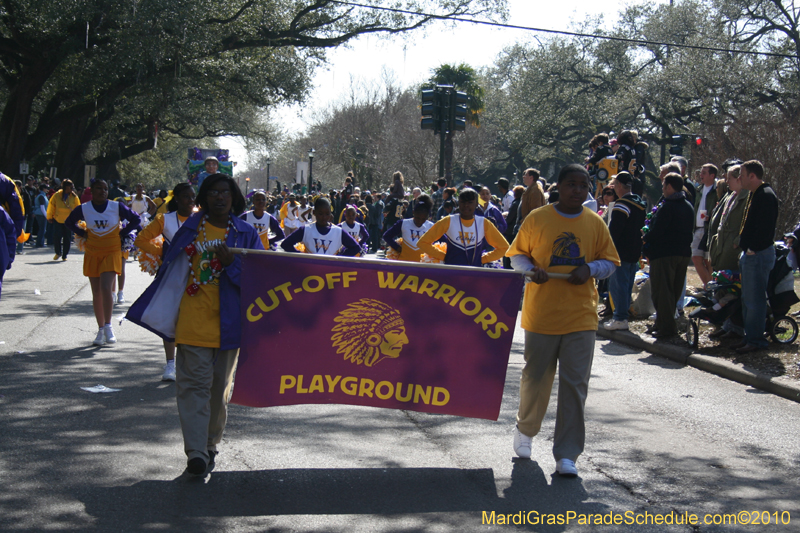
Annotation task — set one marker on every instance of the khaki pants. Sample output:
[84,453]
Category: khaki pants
[203,382]
[573,353]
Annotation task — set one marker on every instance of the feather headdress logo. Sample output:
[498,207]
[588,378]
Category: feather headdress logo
[368,331]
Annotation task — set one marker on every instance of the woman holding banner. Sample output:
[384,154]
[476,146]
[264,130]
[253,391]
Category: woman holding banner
[195,300]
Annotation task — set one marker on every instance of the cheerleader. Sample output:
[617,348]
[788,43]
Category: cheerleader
[179,208]
[291,216]
[263,221]
[411,229]
[488,210]
[142,205]
[322,237]
[355,229]
[103,258]
[466,236]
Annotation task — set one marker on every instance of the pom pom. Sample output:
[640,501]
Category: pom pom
[441,246]
[127,242]
[80,243]
[149,263]
[393,254]
[300,247]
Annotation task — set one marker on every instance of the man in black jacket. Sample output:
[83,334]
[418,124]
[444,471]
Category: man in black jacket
[627,219]
[668,247]
[758,254]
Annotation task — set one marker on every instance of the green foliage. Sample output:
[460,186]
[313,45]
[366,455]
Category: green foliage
[162,167]
[464,78]
[119,68]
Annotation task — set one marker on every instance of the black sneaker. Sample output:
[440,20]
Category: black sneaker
[211,460]
[196,466]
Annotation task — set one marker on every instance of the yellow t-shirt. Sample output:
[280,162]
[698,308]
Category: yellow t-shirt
[560,244]
[198,316]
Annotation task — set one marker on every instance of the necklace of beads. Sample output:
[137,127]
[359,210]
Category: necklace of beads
[214,264]
[475,249]
[649,217]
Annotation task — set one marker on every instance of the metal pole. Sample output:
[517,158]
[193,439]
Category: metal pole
[310,163]
[388,262]
[441,151]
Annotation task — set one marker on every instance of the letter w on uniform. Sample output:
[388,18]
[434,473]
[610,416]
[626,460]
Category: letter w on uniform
[322,245]
[466,238]
[416,234]
[101,224]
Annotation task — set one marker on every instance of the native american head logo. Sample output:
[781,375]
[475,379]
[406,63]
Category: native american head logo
[368,331]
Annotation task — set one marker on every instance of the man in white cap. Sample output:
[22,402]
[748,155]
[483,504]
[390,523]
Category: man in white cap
[211,165]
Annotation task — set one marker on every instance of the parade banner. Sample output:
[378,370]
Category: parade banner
[389,334]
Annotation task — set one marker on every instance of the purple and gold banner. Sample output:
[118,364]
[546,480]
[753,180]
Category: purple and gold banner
[379,333]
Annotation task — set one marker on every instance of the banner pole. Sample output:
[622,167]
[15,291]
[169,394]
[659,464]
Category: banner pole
[390,262]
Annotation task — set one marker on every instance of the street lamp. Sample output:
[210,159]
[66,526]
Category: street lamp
[269,161]
[310,164]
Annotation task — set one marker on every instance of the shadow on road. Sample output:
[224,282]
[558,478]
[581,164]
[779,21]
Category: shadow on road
[374,491]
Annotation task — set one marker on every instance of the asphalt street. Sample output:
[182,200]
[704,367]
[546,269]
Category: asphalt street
[661,438]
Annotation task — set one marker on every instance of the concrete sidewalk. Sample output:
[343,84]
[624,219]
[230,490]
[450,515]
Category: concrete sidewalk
[782,387]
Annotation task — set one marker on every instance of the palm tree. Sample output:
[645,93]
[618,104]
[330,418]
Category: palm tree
[463,78]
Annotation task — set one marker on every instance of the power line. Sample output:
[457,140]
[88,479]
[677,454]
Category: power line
[562,32]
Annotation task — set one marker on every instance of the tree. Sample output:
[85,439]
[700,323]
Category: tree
[463,78]
[770,26]
[65,63]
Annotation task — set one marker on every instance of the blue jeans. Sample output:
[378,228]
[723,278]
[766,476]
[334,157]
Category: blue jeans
[620,285]
[755,271]
[41,221]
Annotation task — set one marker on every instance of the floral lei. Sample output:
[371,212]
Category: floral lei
[214,265]
[649,218]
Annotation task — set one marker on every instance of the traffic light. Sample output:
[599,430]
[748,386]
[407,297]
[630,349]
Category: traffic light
[458,110]
[431,110]
[677,145]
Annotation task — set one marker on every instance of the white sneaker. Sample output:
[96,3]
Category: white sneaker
[109,334]
[613,325]
[169,371]
[113,298]
[566,468]
[120,298]
[522,444]
[100,339]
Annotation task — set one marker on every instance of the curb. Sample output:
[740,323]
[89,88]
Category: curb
[720,367]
